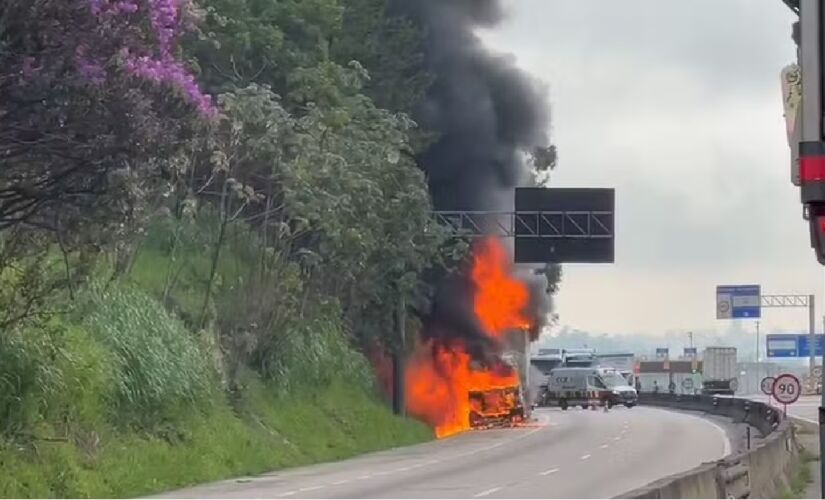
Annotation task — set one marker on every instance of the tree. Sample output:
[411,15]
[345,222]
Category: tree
[390,47]
[262,41]
[94,106]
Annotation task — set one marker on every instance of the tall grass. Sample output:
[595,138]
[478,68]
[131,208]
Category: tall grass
[316,353]
[120,396]
[159,365]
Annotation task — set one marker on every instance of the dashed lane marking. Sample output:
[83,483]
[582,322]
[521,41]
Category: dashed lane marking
[585,457]
[548,472]
[486,492]
[604,446]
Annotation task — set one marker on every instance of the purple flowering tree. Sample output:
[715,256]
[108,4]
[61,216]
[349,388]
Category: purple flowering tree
[95,106]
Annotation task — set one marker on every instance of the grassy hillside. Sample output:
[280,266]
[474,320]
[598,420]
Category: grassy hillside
[120,399]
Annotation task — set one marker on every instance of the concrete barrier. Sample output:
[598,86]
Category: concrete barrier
[764,471]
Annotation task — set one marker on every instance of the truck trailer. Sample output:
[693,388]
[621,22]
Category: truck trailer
[719,371]
[624,363]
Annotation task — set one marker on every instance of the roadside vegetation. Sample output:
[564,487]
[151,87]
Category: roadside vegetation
[209,212]
[802,476]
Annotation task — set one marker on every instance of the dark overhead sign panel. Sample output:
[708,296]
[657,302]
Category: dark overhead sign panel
[560,225]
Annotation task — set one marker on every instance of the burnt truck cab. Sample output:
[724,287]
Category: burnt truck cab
[497,407]
[586,387]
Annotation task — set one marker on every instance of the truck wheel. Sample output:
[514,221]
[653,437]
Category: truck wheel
[629,405]
[584,407]
[563,404]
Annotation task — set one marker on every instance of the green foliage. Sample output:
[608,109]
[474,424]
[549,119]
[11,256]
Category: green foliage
[801,477]
[390,48]
[51,374]
[315,353]
[27,379]
[158,365]
[263,41]
[264,432]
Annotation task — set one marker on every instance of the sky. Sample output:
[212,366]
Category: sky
[678,106]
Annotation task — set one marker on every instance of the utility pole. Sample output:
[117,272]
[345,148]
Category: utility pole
[812,334]
[399,360]
[758,366]
[757,344]
[690,337]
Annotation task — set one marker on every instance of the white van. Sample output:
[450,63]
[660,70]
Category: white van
[587,386]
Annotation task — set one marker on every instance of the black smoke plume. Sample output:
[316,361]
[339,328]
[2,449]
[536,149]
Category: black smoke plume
[488,112]
[489,115]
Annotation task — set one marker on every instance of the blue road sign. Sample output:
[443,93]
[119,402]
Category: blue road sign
[690,352]
[738,302]
[662,352]
[793,345]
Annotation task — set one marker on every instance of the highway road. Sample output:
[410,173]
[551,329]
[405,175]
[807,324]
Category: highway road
[806,407]
[572,454]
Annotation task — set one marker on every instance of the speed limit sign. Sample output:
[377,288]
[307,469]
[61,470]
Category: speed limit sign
[786,388]
[767,385]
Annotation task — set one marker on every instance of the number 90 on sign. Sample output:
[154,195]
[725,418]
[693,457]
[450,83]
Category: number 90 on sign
[786,388]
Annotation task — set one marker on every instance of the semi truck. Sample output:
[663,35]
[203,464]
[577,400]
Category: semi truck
[579,358]
[719,371]
[623,363]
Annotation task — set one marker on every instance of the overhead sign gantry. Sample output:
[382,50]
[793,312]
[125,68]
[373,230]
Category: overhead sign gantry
[549,225]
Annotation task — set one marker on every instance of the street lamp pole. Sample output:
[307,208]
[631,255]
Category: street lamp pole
[758,370]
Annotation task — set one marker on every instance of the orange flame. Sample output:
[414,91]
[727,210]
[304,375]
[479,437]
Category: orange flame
[501,300]
[439,380]
[440,376]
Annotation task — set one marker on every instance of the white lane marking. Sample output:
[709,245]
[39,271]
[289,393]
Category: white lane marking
[339,483]
[585,457]
[723,433]
[617,438]
[548,472]
[365,476]
[288,494]
[310,488]
[486,492]
[604,446]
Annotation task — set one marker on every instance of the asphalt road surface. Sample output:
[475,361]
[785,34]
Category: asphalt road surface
[805,408]
[572,454]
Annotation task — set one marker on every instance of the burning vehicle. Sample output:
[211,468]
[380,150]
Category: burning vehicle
[497,407]
[460,382]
